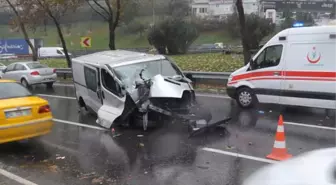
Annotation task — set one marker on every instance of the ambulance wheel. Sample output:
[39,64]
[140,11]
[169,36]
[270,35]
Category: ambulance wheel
[246,98]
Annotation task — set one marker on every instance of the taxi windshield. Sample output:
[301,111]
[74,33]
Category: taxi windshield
[13,90]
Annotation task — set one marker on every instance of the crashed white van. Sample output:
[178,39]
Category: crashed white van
[296,67]
[124,86]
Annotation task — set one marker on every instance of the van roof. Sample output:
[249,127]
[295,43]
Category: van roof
[116,57]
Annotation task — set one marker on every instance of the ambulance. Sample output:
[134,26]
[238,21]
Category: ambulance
[297,67]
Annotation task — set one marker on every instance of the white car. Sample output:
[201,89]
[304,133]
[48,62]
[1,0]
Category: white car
[30,73]
[312,168]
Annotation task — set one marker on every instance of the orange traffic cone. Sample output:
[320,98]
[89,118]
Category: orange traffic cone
[279,151]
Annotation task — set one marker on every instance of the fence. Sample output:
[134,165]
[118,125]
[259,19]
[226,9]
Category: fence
[212,78]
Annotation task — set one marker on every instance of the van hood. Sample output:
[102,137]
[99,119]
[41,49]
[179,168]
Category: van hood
[161,87]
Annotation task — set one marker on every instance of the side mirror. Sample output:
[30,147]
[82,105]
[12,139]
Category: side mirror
[189,76]
[251,62]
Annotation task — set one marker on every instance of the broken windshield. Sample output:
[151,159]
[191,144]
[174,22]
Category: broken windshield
[129,73]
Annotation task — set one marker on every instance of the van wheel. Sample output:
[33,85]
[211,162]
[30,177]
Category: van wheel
[246,98]
[82,104]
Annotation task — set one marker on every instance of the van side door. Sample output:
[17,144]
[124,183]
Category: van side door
[91,75]
[266,74]
[113,97]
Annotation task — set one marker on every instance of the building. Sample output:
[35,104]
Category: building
[221,8]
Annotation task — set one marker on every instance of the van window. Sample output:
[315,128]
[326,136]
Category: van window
[90,78]
[270,57]
[109,83]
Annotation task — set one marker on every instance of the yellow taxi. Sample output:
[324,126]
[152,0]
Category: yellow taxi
[22,115]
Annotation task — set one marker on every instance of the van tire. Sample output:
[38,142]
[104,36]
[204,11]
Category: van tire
[246,97]
[81,103]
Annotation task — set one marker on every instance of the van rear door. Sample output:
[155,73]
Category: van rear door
[91,75]
[265,73]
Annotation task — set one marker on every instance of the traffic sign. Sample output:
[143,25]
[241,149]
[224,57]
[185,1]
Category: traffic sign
[85,42]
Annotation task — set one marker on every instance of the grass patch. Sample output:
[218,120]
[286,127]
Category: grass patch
[209,62]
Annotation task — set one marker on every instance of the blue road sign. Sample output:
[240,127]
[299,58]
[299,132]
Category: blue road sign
[14,46]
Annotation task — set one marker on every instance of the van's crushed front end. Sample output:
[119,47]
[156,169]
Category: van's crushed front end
[168,98]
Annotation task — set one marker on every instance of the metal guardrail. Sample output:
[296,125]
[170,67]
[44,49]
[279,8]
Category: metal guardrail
[218,78]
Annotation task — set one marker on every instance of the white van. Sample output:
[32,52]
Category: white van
[126,86]
[296,67]
[51,52]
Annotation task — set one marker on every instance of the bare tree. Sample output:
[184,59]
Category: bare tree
[20,22]
[244,35]
[106,11]
[38,10]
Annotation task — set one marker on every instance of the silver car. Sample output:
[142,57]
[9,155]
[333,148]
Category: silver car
[30,73]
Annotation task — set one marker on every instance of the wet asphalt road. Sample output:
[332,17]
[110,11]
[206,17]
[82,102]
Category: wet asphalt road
[164,155]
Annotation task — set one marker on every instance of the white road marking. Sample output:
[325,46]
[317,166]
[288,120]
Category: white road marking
[238,155]
[310,126]
[55,96]
[16,178]
[79,124]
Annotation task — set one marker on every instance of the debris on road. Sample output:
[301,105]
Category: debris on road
[57,158]
[53,168]
[97,180]
[87,175]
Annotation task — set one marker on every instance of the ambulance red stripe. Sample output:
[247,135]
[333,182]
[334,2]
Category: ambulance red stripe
[321,74]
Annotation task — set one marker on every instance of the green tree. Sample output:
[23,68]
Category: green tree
[256,28]
[173,35]
[36,10]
